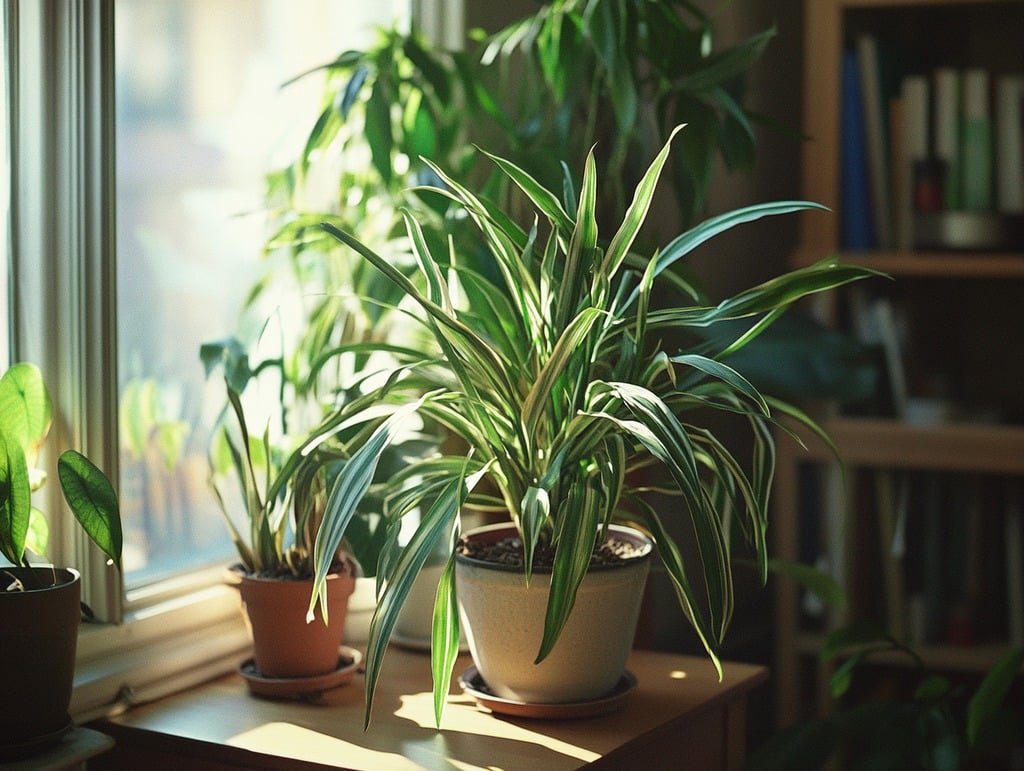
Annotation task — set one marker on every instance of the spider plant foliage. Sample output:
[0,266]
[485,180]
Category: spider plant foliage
[555,376]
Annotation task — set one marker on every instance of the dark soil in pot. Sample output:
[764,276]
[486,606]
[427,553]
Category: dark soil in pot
[509,551]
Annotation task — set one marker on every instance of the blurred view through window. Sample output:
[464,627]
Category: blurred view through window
[201,118]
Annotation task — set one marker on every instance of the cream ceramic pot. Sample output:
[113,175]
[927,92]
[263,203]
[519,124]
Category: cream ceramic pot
[503,622]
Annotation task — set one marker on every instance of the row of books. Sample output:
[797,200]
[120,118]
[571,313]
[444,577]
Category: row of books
[938,559]
[945,140]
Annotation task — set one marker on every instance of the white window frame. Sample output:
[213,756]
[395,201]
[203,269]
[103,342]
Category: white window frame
[60,82]
[63,307]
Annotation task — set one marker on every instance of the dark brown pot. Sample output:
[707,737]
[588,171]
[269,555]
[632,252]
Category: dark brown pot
[38,640]
[284,645]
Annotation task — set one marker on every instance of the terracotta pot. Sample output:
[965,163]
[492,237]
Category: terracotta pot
[284,645]
[38,640]
[503,620]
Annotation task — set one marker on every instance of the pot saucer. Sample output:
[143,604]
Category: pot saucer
[475,686]
[34,746]
[302,688]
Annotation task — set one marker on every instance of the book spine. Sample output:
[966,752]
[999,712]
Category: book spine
[1014,539]
[976,142]
[912,143]
[857,226]
[946,132]
[875,131]
[1010,145]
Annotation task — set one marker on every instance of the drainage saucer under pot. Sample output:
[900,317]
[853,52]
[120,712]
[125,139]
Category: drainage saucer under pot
[475,686]
[302,688]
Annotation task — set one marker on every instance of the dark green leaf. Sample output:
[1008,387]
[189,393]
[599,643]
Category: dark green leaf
[93,501]
[991,694]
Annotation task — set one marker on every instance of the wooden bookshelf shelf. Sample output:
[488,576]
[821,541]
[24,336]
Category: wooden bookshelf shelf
[883,443]
[941,265]
[970,659]
[955,316]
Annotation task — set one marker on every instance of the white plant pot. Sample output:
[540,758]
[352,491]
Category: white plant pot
[361,605]
[416,618]
[503,622]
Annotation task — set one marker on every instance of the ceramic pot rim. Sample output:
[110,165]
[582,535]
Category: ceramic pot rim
[236,573]
[65,576]
[499,530]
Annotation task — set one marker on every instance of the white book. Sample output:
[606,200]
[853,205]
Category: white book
[946,131]
[1010,145]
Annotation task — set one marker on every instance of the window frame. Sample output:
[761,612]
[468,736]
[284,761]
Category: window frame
[59,77]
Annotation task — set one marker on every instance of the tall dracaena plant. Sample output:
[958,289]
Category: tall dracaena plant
[554,377]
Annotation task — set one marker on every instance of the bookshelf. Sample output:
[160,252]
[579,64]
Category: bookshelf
[959,317]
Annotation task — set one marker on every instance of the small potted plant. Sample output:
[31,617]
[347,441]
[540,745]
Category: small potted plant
[40,604]
[282,493]
[567,384]
[283,479]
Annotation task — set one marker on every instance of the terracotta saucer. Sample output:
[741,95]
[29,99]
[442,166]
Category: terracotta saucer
[303,688]
[475,686]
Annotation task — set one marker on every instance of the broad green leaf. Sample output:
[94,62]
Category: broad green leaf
[992,692]
[93,501]
[25,407]
[38,537]
[351,91]
[15,499]
[821,584]
[729,64]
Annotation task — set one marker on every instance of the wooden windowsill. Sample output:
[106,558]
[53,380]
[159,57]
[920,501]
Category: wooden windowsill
[678,706]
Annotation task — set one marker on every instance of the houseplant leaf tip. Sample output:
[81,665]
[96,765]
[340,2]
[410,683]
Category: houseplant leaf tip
[93,501]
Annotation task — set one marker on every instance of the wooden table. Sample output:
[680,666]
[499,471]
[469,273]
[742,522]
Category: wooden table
[72,753]
[679,716]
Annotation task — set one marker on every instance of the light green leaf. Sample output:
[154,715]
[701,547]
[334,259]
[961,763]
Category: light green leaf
[15,499]
[93,501]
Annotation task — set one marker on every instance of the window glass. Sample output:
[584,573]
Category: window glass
[201,118]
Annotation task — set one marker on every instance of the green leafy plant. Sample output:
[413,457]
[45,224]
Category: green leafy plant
[283,476]
[561,79]
[26,414]
[619,76]
[557,378]
[937,724]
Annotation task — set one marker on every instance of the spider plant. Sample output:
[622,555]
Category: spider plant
[281,489]
[282,474]
[558,378]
